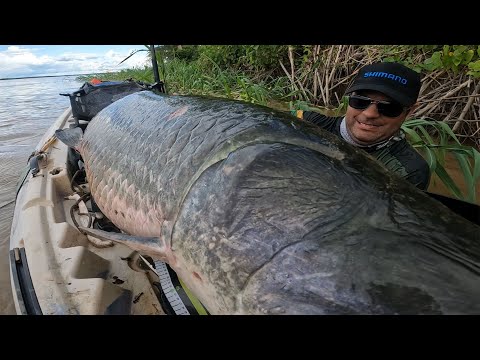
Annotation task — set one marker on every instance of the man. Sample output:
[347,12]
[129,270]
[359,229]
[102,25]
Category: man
[381,97]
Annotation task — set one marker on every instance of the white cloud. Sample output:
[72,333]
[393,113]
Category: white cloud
[18,61]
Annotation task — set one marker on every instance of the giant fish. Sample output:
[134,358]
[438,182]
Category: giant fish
[259,212]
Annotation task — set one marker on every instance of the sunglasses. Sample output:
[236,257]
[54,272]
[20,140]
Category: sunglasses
[386,108]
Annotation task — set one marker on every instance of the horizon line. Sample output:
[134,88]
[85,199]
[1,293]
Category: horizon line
[42,76]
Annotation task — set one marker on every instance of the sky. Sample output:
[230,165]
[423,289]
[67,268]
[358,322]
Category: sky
[40,60]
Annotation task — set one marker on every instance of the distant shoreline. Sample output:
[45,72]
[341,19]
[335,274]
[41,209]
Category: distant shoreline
[44,76]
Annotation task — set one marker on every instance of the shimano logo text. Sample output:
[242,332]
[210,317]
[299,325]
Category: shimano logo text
[386,75]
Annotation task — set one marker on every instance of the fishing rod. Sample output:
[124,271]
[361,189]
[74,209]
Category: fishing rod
[161,85]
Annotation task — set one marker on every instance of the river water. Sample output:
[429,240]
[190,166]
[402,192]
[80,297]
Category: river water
[27,109]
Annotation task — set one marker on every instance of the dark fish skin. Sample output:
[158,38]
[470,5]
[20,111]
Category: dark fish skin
[261,213]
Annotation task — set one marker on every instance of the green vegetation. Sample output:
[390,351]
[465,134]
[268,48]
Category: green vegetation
[292,77]
[434,151]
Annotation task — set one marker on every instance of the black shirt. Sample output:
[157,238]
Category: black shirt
[397,155]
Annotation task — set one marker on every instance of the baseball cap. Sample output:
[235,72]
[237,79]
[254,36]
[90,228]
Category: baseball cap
[395,80]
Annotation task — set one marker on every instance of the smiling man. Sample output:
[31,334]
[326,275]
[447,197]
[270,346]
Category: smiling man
[381,97]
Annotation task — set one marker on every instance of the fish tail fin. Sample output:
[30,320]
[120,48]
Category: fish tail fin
[70,137]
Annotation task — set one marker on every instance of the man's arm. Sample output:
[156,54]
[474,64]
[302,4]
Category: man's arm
[326,122]
[311,116]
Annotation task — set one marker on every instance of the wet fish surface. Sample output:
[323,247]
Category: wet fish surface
[259,212]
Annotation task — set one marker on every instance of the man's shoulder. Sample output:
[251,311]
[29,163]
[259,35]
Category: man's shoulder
[415,167]
[402,148]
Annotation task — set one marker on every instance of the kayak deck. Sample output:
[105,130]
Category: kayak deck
[68,273]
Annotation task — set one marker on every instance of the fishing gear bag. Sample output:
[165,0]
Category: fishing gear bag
[91,98]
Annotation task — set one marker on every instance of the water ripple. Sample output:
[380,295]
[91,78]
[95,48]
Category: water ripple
[28,107]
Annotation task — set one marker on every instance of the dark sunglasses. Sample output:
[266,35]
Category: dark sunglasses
[386,108]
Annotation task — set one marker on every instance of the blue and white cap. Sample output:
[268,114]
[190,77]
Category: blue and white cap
[395,80]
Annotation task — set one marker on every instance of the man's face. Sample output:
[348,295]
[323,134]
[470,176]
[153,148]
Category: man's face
[369,126]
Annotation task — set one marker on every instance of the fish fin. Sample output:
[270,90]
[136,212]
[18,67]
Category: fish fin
[143,244]
[70,137]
